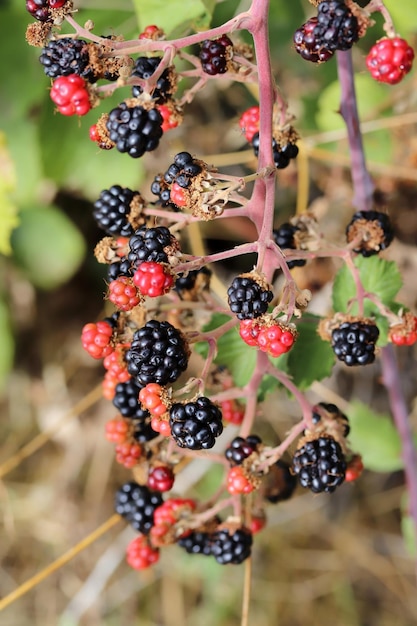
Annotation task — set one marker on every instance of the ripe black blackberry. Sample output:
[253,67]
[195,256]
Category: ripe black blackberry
[143,431]
[134,130]
[158,354]
[195,425]
[337,28]
[214,55]
[119,268]
[160,188]
[196,542]
[320,464]
[182,170]
[306,44]
[282,154]
[137,504]
[126,400]
[280,483]
[247,298]
[241,448]
[41,10]
[375,230]
[112,210]
[354,342]
[284,238]
[144,68]
[231,546]
[148,244]
[193,280]
[62,57]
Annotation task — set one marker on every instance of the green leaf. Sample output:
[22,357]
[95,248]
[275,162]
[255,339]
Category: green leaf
[375,438]
[171,15]
[8,209]
[233,352]
[310,358]
[7,344]
[48,246]
[377,275]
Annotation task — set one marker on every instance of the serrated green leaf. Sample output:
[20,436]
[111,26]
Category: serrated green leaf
[48,246]
[170,15]
[378,276]
[375,438]
[233,353]
[6,342]
[310,358]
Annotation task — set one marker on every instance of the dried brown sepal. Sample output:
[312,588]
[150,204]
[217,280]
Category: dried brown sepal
[37,34]
[136,218]
[363,17]
[367,234]
[104,142]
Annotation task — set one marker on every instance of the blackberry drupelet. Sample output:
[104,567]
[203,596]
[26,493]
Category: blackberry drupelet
[337,28]
[247,299]
[144,68]
[195,425]
[213,55]
[137,504]
[112,209]
[196,543]
[320,464]
[241,448]
[119,268]
[147,244]
[354,342]
[375,230]
[282,154]
[158,354]
[62,57]
[280,483]
[232,547]
[134,130]
[284,238]
[160,188]
[307,45]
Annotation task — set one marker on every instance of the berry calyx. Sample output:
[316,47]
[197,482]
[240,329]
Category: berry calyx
[97,339]
[124,294]
[70,95]
[161,478]
[372,230]
[153,279]
[140,554]
[390,59]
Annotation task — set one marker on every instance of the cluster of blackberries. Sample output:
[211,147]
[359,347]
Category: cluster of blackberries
[282,154]
[354,342]
[334,28]
[247,298]
[214,55]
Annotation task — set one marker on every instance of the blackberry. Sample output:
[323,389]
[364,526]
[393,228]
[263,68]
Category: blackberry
[147,244]
[337,28]
[308,46]
[354,342]
[375,230]
[281,154]
[126,400]
[192,280]
[213,55]
[137,504]
[161,189]
[62,57]
[195,425]
[134,130]
[284,238]
[280,482]
[41,9]
[241,448]
[196,542]
[158,354]
[247,299]
[143,431]
[184,168]
[119,268]
[144,68]
[112,209]
[228,546]
[320,464]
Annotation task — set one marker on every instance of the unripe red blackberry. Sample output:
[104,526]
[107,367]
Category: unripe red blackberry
[390,59]
[247,298]
[140,554]
[158,354]
[214,55]
[144,68]
[113,209]
[241,448]
[136,504]
[70,94]
[320,464]
[231,546]
[61,57]
[195,425]
[354,342]
[374,230]
[134,130]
